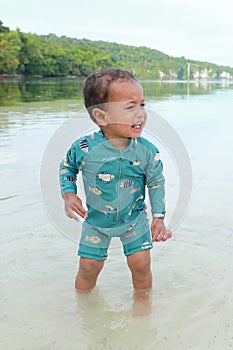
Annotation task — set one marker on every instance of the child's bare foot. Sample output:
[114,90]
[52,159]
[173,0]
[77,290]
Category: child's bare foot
[142,302]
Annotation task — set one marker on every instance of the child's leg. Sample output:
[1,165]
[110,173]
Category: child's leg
[139,264]
[93,251]
[88,272]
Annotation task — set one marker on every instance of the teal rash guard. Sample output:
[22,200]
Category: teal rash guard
[114,179]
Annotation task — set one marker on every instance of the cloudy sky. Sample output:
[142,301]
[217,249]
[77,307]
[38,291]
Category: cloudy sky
[196,29]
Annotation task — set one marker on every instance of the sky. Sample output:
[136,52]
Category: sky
[196,29]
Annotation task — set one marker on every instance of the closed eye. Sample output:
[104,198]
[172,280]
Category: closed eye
[132,107]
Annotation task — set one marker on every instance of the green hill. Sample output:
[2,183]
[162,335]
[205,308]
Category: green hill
[30,54]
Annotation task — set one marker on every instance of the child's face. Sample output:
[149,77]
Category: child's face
[126,115]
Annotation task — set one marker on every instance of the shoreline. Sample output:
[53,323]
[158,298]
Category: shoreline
[38,76]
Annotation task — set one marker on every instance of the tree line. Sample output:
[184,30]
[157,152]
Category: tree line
[30,54]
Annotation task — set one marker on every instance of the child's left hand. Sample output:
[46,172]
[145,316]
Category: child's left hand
[158,231]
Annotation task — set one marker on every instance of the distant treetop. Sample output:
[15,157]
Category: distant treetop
[52,56]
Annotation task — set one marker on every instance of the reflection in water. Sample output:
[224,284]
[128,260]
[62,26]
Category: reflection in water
[14,92]
[164,89]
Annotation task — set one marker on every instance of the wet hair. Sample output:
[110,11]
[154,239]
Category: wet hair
[97,86]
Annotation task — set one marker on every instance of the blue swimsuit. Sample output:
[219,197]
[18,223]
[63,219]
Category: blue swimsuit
[114,181]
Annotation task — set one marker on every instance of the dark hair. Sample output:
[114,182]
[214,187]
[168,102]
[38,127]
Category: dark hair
[96,87]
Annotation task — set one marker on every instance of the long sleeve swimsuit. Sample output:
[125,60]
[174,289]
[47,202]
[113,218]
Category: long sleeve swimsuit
[114,179]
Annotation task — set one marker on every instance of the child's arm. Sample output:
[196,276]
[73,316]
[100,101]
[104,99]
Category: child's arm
[156,186]
[69,169]
[155,182]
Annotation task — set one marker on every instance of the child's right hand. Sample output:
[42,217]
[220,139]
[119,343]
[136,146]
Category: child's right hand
[73,206]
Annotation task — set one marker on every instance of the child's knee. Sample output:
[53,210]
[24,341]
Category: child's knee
[142,266]
[139,262]
[90,267]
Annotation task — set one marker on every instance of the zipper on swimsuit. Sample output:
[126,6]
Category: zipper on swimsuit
[118,189]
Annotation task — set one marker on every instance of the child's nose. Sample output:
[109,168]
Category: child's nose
[140,111]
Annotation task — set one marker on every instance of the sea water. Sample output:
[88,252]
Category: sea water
[192,305]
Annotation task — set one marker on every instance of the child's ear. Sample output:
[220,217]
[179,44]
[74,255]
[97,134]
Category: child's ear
[100,116]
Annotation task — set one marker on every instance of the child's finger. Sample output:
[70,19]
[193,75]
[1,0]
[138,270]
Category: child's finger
[167,234]
[81,211]
[75,216]
[80,207]
[162,236]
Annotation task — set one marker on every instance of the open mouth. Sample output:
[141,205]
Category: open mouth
[138,126]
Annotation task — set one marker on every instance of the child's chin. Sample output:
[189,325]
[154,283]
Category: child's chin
[136,133]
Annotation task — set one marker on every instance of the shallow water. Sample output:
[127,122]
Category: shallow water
[192,305]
